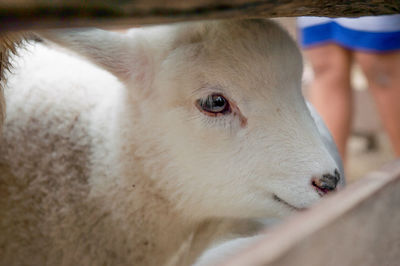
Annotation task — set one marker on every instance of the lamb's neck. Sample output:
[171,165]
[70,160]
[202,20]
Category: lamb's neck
[153,227]
[161,229]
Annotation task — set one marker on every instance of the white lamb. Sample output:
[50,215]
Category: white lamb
[200,130]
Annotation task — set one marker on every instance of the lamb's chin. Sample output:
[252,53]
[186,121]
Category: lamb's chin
[287,204]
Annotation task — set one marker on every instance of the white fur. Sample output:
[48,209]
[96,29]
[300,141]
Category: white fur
[98,170]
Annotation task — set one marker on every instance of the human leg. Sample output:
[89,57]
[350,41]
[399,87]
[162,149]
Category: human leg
[330,91]
[383,74]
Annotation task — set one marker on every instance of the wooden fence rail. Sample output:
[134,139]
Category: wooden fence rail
[31,14]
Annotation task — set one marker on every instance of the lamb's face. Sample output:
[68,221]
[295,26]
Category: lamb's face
[221,122]
[241,140]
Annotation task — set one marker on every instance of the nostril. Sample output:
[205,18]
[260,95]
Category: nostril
[325,184]
[317,184]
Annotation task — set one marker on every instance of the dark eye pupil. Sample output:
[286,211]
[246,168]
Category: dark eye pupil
[218,101]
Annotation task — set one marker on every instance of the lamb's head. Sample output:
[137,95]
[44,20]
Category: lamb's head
[220,105]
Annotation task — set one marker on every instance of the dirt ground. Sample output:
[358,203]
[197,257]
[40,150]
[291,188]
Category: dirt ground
[362,161]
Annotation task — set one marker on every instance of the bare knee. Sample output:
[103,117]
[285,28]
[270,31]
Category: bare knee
[381,70]
[331,65]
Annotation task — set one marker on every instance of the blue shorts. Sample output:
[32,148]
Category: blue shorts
[372,33]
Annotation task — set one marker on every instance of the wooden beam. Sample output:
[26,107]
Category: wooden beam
[33,14]
[358,226]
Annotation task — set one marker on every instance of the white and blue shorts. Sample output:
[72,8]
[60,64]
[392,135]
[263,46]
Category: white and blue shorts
[372,33]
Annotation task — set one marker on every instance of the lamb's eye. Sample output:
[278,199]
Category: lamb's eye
[214,104]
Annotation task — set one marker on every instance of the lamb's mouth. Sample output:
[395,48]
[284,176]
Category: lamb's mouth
[278,199]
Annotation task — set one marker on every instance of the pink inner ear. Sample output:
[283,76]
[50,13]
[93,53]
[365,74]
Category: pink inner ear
[141,71]
[140,77]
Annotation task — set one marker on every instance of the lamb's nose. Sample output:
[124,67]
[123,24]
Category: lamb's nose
[326,183]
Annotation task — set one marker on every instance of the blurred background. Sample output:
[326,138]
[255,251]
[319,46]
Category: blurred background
[368,147]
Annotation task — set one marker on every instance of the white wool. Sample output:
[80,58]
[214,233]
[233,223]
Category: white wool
[123,168]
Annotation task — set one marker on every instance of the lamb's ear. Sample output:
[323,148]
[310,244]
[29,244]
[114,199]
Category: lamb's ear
[126,57]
